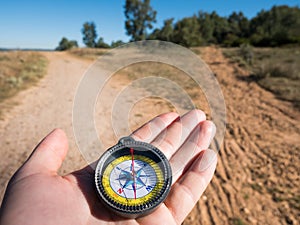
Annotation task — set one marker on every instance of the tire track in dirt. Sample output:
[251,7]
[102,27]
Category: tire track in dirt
[258,167]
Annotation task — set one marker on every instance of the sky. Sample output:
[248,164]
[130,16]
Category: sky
[42,23]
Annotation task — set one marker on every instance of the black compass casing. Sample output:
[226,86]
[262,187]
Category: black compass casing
[142,149]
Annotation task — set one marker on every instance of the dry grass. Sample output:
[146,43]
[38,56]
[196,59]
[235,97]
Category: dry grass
[19,70]
[88,53]
[275,69]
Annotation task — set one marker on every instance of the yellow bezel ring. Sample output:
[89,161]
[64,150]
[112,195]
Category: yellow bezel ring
[129,201]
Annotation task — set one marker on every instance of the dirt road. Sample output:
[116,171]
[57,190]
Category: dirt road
[38,110]
[259,162]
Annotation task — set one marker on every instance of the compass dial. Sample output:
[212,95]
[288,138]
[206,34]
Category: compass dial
[133,178]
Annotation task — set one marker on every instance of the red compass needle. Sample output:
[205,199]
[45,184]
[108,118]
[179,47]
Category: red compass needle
[132,171]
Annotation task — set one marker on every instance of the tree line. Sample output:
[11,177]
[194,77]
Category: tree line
[275,27]
[89,38]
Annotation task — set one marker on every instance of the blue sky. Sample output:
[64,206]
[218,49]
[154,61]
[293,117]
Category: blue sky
[42,24]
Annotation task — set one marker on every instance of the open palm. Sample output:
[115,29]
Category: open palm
[36,194]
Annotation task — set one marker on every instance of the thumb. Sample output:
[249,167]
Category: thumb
[49,154]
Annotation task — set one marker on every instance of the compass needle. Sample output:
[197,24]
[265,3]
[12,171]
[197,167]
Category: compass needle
[132,171]
[132,178]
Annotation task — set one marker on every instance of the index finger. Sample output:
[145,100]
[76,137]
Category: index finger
[154,127]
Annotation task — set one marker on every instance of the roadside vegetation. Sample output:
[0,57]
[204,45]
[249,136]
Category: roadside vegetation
[88,53]
[19,70]
[275,69]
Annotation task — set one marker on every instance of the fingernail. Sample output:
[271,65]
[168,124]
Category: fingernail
[213,133]
[207,159]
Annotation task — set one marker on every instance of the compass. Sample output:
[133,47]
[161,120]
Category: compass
[133,178]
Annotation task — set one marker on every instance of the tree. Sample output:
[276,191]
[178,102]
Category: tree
[65,44]
[221,27]
[167,31]
[206,27]
[278,26]
[139,17]
[238,30]
[187,32]
[115,44]
[239,24]
[102,44]
[89,34]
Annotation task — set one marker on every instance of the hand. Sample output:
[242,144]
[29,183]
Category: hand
[36,194]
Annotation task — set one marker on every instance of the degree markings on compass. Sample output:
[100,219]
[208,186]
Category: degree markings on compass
[133,178]
[120,190]
[142,169]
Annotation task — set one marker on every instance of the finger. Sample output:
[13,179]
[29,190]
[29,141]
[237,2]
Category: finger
[147,132]
[155,126]
[199,139]
[49,154]
[190,187]
[162,215]
[177,132]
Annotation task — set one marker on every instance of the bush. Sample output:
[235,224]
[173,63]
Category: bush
[65,44]
[246,52]
[115,44]
[277,70]
[102,44]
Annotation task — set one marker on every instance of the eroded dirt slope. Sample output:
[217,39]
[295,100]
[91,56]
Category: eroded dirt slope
[257,178]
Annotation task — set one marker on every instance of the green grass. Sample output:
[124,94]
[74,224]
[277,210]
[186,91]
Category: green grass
[19,70]
[237,221]
[256,187]
[275,69]
[246,196]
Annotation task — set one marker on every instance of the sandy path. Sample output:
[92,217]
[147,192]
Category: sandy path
[39,110]
[258,169]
